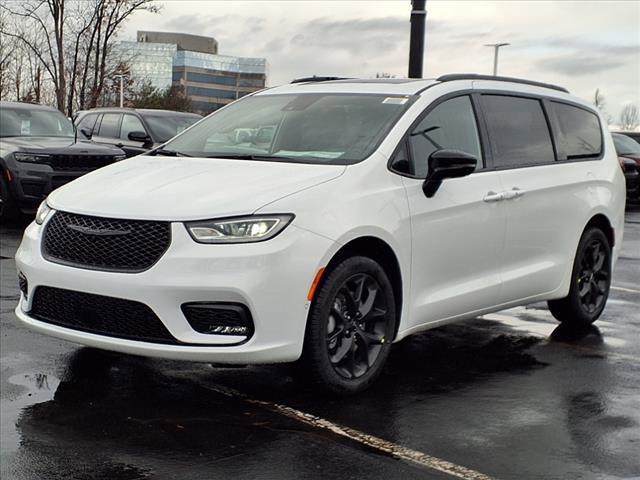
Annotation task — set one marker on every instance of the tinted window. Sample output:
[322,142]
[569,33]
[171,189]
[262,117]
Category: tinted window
[110,125]
[311,127]
[579,132]
[519,131]
[165,127]
[451,124]
[625,145]
[88,121]
[130,123]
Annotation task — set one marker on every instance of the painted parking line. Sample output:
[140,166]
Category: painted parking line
[382,446]
[625,289]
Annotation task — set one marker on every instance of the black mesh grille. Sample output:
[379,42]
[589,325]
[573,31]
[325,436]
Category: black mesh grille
[91,313]
[105,243]
[219,318]
[79,162]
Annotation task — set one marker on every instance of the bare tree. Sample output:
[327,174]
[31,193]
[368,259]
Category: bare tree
[71,43]
[629,117]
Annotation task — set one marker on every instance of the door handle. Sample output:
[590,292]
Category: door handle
[515,192]
[493,197]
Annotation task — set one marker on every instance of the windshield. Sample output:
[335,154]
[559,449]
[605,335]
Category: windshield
[22,122]
[625,145]
[165,127]
[304,128]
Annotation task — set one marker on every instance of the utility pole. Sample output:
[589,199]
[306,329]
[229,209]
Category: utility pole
[121,76]
[416,45]
[496,46]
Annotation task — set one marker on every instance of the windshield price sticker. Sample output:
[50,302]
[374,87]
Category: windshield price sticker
[395,100]
[25,127]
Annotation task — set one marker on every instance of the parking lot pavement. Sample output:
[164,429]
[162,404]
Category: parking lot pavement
[510,395]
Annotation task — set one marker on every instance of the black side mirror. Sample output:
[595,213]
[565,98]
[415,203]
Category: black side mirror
[139,137]
[87,132]
[447,164]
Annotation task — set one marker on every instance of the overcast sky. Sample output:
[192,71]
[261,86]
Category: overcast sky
[581,45]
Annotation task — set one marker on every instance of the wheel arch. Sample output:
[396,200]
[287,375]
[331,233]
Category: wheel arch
[380,251]
[601,221]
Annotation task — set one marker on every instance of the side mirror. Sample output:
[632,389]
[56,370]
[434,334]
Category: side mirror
[139,137]
[87,132]
[447,164]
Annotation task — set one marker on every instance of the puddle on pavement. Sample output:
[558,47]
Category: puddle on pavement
[38,387]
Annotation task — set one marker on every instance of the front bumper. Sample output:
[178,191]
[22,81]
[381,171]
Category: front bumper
[32,182]
[271,278]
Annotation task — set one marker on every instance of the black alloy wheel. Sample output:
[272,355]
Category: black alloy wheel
[593,279]
[357,326]
[590,281]
[350,328]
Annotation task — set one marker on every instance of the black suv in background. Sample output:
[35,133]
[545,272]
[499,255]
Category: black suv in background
[39,151]
[134,130]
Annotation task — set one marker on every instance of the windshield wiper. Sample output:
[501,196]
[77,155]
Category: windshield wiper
[248,157]
[168,153]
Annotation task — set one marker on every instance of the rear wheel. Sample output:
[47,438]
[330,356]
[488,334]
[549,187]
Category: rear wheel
[351,326]
[590,281]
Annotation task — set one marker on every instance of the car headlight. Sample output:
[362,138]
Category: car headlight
[42,213]
[117,158]
[239,229]
[31,157]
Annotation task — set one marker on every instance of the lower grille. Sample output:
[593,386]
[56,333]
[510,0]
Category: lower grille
[113,317]
[79,162]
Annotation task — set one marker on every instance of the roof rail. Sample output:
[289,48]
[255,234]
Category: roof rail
[318,79]
[475,76]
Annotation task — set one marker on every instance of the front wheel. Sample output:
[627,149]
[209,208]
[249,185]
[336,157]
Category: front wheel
[590,281]
[350,327]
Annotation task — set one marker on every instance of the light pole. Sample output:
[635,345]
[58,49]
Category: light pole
[121,76]
[496,46]
[416,39]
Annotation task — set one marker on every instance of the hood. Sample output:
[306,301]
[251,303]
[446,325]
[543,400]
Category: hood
[56,145]
[180,188]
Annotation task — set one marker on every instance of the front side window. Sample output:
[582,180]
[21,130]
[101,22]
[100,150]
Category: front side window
[24,122]
[88,122]
[519,131]
[450,125]
[302,128]
[579,132]
[130,123]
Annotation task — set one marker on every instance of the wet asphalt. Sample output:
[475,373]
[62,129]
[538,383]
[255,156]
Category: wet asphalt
[511,395]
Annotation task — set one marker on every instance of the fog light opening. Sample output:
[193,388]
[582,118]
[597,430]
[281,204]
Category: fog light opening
[218,318]
[23,284]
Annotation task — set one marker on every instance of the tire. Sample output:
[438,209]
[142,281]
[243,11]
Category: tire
[350,328]
[8,209]
[590,281]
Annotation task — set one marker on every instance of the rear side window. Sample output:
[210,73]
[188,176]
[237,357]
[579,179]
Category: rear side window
[579,133]
[110,125]
[450,125]
[519,131]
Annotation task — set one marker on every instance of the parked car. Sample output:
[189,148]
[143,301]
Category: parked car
[133,130]
[38,153]
[635,136]
[628,152]
[380,208]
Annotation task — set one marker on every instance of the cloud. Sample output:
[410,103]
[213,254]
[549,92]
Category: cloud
[581,65]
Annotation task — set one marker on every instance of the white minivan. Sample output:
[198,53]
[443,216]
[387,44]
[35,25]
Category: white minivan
[348,215]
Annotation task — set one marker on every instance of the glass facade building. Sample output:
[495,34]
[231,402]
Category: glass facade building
[210,80]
